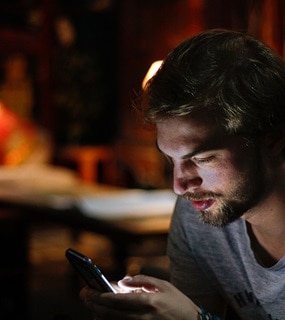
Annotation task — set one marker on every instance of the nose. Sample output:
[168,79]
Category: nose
[185,180]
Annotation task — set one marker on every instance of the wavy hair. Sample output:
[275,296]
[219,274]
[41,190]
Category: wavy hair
[231,75]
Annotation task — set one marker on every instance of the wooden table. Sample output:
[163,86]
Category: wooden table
[62,206]
[22,206]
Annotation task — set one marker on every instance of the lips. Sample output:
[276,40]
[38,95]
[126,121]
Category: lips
[202,204]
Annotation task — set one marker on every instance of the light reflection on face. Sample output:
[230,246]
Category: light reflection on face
[219,174]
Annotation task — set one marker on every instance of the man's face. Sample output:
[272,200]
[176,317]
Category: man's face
[219,174]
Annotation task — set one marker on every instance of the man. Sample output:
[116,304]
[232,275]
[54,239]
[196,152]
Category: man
[218,103]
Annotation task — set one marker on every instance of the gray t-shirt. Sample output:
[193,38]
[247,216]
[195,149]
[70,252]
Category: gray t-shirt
[208,260]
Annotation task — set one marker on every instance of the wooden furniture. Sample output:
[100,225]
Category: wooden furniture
[88,159]
[125,216]
[23,206]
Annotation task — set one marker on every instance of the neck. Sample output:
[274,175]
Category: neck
[267,229]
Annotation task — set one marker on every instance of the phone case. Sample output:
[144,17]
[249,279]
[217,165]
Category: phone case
[90,273]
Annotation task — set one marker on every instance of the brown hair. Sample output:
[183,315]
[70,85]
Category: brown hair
[231,75]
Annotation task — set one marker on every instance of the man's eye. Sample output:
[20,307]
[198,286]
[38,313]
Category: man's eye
[203,160]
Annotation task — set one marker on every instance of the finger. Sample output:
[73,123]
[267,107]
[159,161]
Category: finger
[126,288]
[85,293]
[89,297]
[146,283]
[124,301]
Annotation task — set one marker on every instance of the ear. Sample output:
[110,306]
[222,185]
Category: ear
[275,142]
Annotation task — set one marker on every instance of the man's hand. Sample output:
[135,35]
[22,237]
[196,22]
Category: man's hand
[141,297]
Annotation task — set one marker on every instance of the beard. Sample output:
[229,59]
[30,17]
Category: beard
[244,195]
[226,214]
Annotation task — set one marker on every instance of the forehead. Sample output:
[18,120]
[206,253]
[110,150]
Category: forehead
[188,130]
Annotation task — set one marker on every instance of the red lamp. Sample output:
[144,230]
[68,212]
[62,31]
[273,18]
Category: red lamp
[17,137]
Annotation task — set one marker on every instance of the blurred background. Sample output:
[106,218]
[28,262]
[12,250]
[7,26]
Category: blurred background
[69,71]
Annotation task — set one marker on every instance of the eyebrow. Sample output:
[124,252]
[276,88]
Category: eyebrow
[189,155]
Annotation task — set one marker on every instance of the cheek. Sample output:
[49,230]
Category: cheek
[221,177]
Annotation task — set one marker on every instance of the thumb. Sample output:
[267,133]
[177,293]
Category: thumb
[140,283]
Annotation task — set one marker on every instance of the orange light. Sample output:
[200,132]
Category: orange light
[151,71]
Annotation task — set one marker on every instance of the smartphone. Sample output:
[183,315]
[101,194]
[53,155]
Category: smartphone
[90,273]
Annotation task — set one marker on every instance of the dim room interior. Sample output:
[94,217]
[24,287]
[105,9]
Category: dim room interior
[78,165]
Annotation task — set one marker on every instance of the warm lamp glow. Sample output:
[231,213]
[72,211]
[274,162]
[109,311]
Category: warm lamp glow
[17,137]
[151,71]
[8,123]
